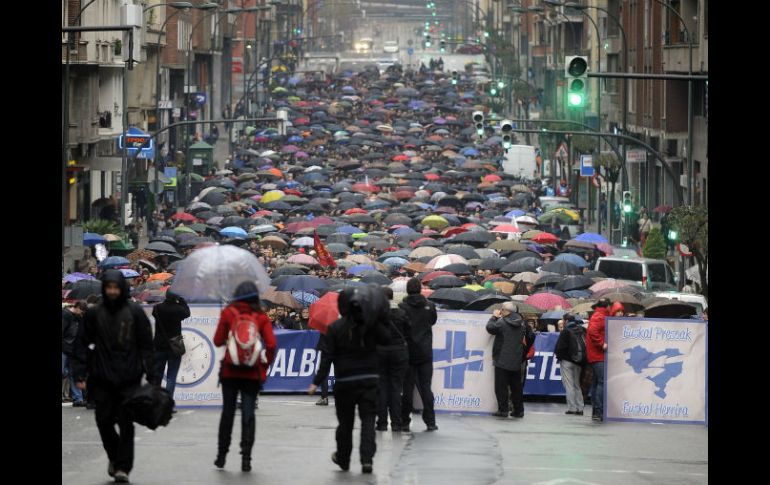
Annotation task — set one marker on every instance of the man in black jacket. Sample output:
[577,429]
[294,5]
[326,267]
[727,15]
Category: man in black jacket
[351,345]
[168,317]
[508,352]
[70,320]
[114,349]
[422,316]
[393,359]
[571,353]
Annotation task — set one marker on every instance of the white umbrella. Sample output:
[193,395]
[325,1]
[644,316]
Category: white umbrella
[213,273]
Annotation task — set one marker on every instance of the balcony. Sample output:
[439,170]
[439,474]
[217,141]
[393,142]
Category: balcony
[676,58]
[78,54]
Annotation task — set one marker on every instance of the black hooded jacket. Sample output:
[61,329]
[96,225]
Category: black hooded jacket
[114,343]
[351,341]
[168,320]
[421,315]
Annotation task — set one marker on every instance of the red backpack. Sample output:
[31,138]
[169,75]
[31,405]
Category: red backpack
[244,342]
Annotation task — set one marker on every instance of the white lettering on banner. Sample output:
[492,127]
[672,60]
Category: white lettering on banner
[307,366]
[290,372]
[279,364]
[555,368]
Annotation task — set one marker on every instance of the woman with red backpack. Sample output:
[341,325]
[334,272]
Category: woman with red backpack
[247,334]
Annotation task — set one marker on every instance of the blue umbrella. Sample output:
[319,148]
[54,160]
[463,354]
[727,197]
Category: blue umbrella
[404,230]
[591,237]
[552,315]
[398,262]
[235,232]
[349,230]
[299,283]
[348,89]
[305,297]
[578,293]
[114,262]
[515,213]
[572,258]
[304,241]
[295,139]
[129,273]
[91,239]
[469,152]
[360,268]
[75,277]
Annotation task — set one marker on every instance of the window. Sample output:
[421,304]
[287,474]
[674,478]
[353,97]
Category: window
[705,18]
[621,270]
[183,29]
[613,6]
[656,272]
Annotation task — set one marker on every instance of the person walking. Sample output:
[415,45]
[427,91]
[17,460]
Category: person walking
[322,347]
[70,321]
[571,354]
[248,334]
[168,317]
[422,316]
[393,361]
[508,351]
[645,226]
[595,348]
[351,345]
[120,335]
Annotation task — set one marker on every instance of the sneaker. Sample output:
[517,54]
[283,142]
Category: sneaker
[597,419]
[246,464]
[382,428]
[395,429]
[517,415]
[432,427]
[220,461]
[111,469]
[366,468]
[579,413]
[78,404]
[121,477]
[570,412]
[324,401]
[500,414]
[345,467]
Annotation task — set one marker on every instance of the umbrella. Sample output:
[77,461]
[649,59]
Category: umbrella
[211,274]
[527,277]
[445,260]
[359,268]
[545,238]
[375,277]
[579,282]
[288,270]
[458,268]
[547,301]
[435,222]
[300,283]
[234,232]
[572,259]
[493,264]
[160,277]
[549,279]
[161,247]
[274,241]
[446,281]
[454,298]
[281,298]
[305,298]
[114,262]
[669,309]
[304,259]
[425,251]
[92,239]
[522,265]
[561,267]
[624,298]
[75,277]
[323,312]
[84,288]
[553,315]
[507,245]
[129,273]
[304,242]
[607,284]
[483,302]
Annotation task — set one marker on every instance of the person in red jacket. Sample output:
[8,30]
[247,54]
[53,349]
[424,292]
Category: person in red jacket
[618,310]
[595,348]
[246,380]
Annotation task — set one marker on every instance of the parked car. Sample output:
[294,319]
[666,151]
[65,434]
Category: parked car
[390,46]
[692,298]
[653,274]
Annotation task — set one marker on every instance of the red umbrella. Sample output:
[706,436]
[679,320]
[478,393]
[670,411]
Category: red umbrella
[400,158]
[436,274]
[292,192]
[403,195]
[184,216]
[547,301]
[663,209]
[355,210]
[492,178]
[365,188]
[545,238]
[324,311]
[455,230]
[432,176]
[506,228]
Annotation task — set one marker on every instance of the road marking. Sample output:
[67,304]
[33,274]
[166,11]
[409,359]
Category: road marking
[189,411]
[594,470]
[567,481]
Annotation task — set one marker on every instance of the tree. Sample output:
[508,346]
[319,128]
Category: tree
[691,224]
[655,247]
[102,226]
[608,165]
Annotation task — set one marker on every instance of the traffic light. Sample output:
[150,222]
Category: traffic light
[427,40]
[478,119]
[673,235]
[576,72]
[506,128]
[628,205]
[500,84]
[486,34]
[455,77]
[442,46]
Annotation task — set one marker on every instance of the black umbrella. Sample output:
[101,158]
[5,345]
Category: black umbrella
[475,238]
[338,248]
[458,268]
[288,271]
[578,282]
[463,250]
[549,280]
[446,281]
[374,277]
[562,267]
[162,247]
[83,288]
[524,254]
[454,298]
[214,198]
[594,274]
[165,239]
[670,309]
[340,237]
[485,301]
[492,263]
[521,265]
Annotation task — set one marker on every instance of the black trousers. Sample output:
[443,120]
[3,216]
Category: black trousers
[392,364]
[346,397]
[505,380]
[248,389]
[109,412]
[420,375]
[325,388]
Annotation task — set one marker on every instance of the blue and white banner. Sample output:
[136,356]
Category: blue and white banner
[656,370]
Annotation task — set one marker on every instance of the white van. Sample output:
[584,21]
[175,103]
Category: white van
[692,298]
[654,274]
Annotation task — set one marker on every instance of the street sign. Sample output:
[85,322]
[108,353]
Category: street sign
[165,104]
[684,250]
[636,156]
[561,152]
[200,98]
[136,138]
[410,51]
[586,166]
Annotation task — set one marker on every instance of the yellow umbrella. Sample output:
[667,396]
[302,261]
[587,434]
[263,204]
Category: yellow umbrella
[435,222]
[574,215]
[272,196]
[474,287]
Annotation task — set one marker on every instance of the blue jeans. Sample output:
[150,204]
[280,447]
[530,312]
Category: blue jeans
[161,358]
[77,394]
[597,389]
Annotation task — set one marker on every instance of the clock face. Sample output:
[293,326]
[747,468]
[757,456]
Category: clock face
[198,361]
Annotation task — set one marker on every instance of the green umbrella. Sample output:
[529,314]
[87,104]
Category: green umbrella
[180,229]
[197,227]
[435,222]
[122,245]
[359,235]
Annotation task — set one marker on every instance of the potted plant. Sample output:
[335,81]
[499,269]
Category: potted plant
[118,47]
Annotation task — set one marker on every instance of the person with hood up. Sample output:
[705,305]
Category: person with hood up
[571,353]
[508,352]
[618,310]
[114,350]
[422,316]
[595,348]
[394,359]
[168,317]
[241,378]
[70,320]
[351,345]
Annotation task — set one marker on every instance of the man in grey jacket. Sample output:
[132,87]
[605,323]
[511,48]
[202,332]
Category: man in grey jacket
[508,351]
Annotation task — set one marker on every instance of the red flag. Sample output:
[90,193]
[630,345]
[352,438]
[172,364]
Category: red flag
[324,258]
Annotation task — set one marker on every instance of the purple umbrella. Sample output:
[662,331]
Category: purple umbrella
[439,121]
[289,149]
[75,277]
[301,155]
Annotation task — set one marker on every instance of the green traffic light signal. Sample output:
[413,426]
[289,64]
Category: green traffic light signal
[493,91]
[454,81]
[500,84]
[486,34]
[627,208]
[673,235]
[575,99]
